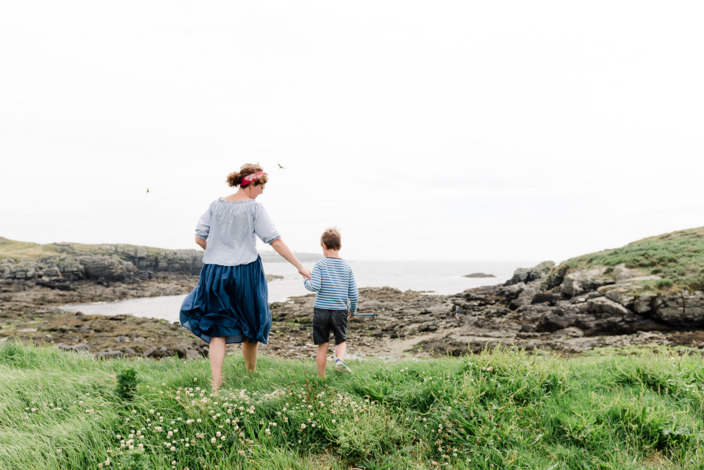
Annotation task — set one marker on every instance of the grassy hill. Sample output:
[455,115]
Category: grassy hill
[28,250]
[25,250]
[677,257]
[61,410]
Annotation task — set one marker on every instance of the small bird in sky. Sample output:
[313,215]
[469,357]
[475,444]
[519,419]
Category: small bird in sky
[147,189]
[281,166]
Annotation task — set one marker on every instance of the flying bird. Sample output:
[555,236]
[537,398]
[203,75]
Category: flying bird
[147,189]
[281,166]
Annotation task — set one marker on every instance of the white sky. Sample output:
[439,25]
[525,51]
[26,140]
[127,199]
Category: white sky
[423,130]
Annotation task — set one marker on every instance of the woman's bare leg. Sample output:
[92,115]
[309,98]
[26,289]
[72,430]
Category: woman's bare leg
[217,357]
[249,351]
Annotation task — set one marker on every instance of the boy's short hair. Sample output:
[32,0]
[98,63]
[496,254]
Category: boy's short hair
[332,239]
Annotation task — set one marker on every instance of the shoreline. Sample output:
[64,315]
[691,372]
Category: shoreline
[34,314]
[408,323]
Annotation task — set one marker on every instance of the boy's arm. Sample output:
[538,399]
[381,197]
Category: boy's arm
[353,293]
[316,280]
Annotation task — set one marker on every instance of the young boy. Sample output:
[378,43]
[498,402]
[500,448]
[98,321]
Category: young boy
[333,282]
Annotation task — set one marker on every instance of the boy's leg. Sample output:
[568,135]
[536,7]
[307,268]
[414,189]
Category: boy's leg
[321,358]
[340,330]
[321,337]
[216,351]
[340,350]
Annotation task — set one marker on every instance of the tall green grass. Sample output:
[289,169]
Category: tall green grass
[494,410]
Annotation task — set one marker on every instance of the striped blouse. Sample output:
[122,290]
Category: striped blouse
[333,282]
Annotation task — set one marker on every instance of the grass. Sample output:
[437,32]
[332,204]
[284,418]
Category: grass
[25,250]
[494,410]
[677,257]
[20,251]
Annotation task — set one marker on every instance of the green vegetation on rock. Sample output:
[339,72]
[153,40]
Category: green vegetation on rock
[19,250]
[677,258]
[500,409]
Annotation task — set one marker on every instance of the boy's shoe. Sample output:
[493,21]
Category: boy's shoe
[340,366]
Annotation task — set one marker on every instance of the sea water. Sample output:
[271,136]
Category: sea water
[430,277]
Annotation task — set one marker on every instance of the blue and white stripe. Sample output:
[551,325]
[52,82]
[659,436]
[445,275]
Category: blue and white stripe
[333,282]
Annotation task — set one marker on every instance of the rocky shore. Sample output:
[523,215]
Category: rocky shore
[540,308]
[566,309]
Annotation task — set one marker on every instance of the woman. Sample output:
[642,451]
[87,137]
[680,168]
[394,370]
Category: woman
[230,303]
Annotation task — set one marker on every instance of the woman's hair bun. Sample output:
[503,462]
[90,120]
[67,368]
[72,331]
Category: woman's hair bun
[234,179]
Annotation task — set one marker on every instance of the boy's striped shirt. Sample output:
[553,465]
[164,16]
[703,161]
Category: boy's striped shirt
[333,282]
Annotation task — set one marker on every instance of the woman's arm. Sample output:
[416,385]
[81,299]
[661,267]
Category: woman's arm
[201,243]
[281,248]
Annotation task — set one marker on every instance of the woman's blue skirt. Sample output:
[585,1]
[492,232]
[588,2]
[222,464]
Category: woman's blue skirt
[229,302]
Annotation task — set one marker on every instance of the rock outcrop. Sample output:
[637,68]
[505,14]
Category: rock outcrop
[112,263]
[550,307]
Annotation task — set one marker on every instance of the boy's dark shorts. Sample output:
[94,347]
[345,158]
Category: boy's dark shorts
[325,321]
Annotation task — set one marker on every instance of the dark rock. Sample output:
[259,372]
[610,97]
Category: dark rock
[583,281]
[555,277]
[524,298]
[681,309]
[602,306]
[527,275]
[428,327]
[511,291]
[553,322]
[107,268]
[109,354]
[548,297]
[643,303]
[193,354]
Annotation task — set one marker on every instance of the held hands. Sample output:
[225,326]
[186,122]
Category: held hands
[304,272]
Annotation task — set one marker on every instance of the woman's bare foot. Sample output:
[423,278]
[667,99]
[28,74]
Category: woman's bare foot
[216,384]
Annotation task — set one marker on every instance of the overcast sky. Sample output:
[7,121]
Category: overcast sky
[422,130]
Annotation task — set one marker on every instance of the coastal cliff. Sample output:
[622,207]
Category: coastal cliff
[58,264]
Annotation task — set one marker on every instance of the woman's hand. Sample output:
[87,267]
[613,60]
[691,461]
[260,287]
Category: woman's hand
[304,272]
